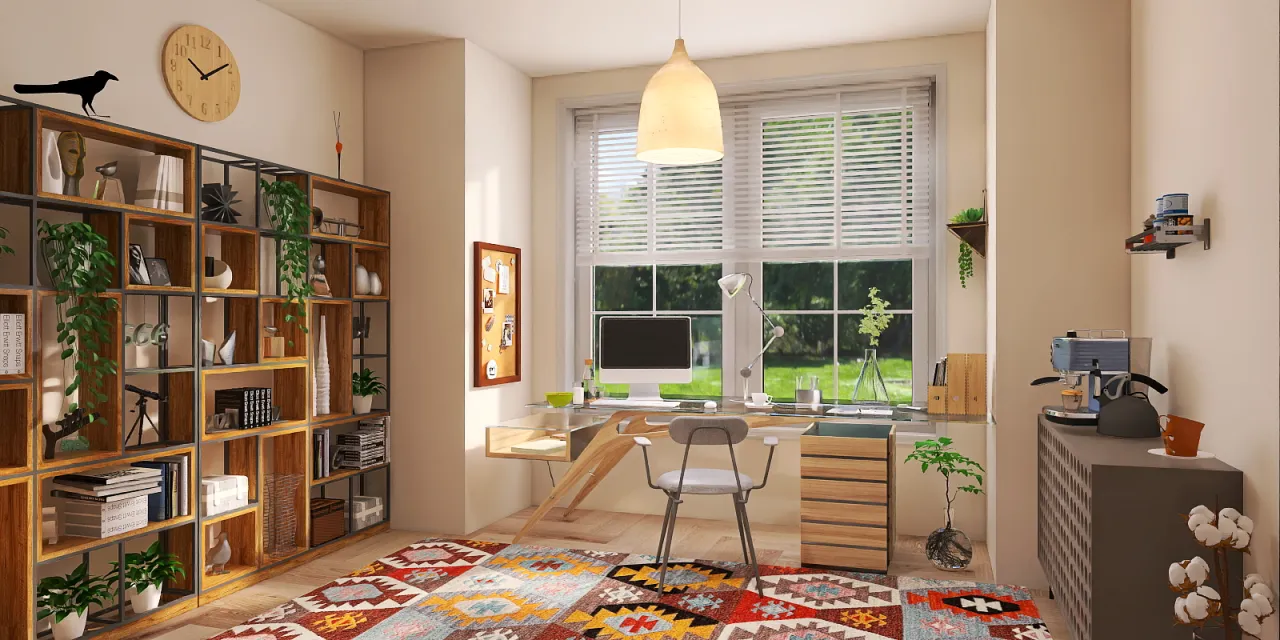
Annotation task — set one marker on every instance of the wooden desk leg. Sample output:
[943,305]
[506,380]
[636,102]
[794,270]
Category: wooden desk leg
[606,465]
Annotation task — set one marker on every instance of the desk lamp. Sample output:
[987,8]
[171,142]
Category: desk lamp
[732,285]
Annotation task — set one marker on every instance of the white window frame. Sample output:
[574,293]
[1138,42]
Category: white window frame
[742,328]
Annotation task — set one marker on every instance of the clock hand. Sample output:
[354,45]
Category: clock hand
[193,63]
[205,76]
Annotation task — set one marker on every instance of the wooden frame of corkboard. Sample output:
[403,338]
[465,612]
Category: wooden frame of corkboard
[504,304]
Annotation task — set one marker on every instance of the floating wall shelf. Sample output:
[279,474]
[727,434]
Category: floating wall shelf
[1168,239]
[972,233]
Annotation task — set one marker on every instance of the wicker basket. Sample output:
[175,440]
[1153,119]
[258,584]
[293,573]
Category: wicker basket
[328,520]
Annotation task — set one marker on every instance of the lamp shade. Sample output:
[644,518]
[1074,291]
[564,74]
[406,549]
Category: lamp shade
[680,115]
[733,283]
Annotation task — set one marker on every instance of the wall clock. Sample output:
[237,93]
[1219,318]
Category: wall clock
[201,73]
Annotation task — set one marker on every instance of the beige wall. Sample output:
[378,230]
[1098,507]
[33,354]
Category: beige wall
[448,131]
[1204,122]
[1060,185]
[962,97]
[294,76]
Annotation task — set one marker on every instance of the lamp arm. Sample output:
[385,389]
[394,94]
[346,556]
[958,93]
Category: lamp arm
[752,298]
[746,371]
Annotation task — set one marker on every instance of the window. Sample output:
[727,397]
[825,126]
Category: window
[822,194]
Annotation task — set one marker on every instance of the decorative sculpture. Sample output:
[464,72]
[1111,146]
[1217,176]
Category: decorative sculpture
[70,423]
[322,371]
[108,188]
[228,350]
[71,151]
[217,200]
[219,555]
[51,164]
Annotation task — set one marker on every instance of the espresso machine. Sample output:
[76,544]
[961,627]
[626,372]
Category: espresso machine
[1113,368]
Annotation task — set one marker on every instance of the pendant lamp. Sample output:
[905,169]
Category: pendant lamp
[680,115]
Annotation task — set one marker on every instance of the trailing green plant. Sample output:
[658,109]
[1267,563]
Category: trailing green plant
[966,252]
[940,455]
[151,567]
[61,596]
[366,383]
[80,267]
[875,317]
[291,218]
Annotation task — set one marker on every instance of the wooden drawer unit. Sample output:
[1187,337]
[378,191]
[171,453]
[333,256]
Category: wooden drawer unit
[846,496]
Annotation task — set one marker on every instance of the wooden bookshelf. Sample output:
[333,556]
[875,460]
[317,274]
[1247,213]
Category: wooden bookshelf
[247,306]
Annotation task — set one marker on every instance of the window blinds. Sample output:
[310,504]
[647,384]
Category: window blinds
[836,172]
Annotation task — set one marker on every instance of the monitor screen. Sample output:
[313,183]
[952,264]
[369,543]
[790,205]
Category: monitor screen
[645,343]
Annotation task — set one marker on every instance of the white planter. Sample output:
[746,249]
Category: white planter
[144,600]
[71,627]
[362,404]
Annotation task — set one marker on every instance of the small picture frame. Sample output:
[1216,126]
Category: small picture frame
[137,266]
[504,278]
[486,301]
[158,271]
[508,331]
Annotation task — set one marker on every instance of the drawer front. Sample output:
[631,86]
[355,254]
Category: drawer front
[850,447]
[845,557]
[849,490]
[844,468]
[844,512]
[813,532]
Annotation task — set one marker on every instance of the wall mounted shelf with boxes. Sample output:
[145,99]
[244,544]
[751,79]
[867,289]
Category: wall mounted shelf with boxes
[208,317]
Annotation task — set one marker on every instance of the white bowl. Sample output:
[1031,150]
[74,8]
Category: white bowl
[221,278]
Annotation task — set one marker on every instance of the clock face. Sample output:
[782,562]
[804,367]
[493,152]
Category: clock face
[201,73]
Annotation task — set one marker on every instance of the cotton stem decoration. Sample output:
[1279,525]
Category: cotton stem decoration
[1199,604]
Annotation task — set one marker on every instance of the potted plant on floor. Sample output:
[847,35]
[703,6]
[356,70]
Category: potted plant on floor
[364,386]
[145,574]
[948,548]
[67,599]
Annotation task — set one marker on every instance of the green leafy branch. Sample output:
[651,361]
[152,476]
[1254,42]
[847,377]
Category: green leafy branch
[940,455]
[366,383]
[151,567]
[875,317]
[291,218]
[967,216]
[4,248]
[60,596]
[80,267]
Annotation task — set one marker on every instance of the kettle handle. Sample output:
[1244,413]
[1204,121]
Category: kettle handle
[1150,382]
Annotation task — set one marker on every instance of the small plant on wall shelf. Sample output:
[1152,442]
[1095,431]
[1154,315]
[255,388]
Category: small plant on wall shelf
[79,264]
[968,216]
[364,386]
[291,218]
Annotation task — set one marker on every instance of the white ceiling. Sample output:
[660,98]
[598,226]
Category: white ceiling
[546,37]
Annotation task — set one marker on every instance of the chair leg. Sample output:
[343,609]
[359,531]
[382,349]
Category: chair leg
[751,545]
[666,554]
[742,534]
[662,535]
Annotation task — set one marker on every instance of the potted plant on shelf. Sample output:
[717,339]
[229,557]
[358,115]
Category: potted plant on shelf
[145,574]
[948,548]
[364,386]
[67,599]
[291,218]
[79,263]
[968,216]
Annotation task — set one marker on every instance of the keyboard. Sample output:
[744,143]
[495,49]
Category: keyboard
[618,403]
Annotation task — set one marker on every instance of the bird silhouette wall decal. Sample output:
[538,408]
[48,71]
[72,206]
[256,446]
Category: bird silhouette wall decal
[87,88]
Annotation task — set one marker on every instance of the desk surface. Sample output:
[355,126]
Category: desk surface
[733,406]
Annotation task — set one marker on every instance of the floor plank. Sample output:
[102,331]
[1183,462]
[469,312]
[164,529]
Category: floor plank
[635,533]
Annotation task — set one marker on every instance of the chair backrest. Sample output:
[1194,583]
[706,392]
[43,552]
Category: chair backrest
[700,430]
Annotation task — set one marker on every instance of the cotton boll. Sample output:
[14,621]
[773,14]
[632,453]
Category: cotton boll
[1208,535]
[1246,523]
[1180,610]
[1260,589]
[1198,570]
[1197,519]
[1201,509]
[1240,540]
[1208,592]
[1197,606]
[1227,527]
[1249,623]
[1251,580]
[1229,514]
[1249,606]
[1265,607]
[1177,574]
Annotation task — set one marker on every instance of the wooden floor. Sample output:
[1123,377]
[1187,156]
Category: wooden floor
[707,539]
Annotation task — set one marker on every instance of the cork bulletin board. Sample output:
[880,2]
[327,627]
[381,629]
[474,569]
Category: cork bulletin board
[497,315]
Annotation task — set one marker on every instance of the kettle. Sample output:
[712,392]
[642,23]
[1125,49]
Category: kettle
[1128,415]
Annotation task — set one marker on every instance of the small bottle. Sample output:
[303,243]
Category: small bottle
[589,390]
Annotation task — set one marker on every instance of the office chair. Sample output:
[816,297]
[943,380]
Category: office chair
[706,431]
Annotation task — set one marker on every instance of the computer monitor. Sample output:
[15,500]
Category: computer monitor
[644,352]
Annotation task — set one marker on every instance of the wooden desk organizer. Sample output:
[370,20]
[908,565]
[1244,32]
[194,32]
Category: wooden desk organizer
[965,393]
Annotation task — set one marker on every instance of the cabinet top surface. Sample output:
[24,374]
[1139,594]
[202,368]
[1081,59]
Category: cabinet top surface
[1095,450]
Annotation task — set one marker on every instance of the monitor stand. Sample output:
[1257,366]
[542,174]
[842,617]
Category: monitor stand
[644,392]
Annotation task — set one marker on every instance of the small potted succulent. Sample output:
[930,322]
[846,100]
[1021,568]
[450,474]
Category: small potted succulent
[145,574]
[364,386]
[67,599]
[948,548]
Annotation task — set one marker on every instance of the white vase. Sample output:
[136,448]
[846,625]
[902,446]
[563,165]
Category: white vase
[322,371]
[51,164]
[228,350]
[70,627]
[221,278]
[144,600]
[362,281]
[375,285]
[362,404]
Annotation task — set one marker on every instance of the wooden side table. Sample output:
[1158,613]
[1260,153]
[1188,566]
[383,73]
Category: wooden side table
[847,496]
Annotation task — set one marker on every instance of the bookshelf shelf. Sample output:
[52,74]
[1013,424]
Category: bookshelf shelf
[227,515]
[344,474]
[71,545]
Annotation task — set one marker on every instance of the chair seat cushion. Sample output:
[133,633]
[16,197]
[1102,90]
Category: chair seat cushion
[712,481]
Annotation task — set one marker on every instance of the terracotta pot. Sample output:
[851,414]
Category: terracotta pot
[1181,436]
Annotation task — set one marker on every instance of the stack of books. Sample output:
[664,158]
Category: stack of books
[174,498]
[251,406]
[106,503]
[321,456]
[363,448]
[13,343]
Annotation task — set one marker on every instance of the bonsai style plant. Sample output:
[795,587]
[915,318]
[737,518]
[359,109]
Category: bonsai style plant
[145,574]
[364,386]
[948,547]
[870,387]
[67,598]
[967,216]
[79,262]
[291,218]
[1198,604]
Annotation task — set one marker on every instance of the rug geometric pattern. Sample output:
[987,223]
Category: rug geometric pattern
[445,589]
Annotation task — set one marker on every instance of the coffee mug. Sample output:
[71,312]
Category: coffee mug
[761,398]
[1181,436]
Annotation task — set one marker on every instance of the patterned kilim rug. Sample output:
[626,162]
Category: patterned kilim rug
[469,590]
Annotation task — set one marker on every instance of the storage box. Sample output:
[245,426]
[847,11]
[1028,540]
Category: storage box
[847,496]
[328,520]
[367,511]
[220,494]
